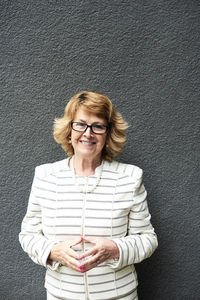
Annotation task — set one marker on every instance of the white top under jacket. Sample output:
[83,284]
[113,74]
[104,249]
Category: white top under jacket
[117,209]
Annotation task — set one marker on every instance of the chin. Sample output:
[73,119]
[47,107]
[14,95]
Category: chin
[86,152]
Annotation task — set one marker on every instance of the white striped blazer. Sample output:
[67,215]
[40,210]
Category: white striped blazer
[116,209]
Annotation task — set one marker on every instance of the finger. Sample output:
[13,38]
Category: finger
[72,266]
[94,260]
[91,240]
[90,263]
[71,253]
[71,244]
[69,261]
[76,241]
[90,252]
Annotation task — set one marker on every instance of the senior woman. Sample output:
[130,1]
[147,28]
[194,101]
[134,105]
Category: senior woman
[87,220]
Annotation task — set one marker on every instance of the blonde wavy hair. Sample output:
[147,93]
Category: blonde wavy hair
[101,106]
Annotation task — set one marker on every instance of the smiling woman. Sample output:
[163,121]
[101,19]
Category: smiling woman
[87,143]
[87,220]
[101,107]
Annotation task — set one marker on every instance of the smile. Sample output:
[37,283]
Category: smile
[87,143]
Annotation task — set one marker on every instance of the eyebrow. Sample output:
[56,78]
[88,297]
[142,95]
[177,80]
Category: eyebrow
[83,121]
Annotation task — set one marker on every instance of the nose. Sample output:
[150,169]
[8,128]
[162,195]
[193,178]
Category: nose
[88,132]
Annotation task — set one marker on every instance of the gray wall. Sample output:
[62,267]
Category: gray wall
[145,56]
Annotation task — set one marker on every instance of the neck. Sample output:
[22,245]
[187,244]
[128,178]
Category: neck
[85,166]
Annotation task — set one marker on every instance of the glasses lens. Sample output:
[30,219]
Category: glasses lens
[99,129]
[79,126]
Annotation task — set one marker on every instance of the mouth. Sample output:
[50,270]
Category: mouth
[87,143]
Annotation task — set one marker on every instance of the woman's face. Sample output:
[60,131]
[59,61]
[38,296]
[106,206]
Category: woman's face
[88,144]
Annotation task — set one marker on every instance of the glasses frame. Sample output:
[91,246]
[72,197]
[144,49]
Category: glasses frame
[89,126]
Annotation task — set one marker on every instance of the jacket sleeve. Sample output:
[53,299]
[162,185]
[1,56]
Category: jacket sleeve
[31,237]
[141,240]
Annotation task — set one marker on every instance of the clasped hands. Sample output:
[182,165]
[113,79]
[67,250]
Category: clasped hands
[102,249]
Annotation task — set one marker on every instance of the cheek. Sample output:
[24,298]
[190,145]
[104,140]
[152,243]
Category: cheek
[103,141]
[74,137]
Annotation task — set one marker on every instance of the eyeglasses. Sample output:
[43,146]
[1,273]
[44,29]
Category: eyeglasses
[95,128]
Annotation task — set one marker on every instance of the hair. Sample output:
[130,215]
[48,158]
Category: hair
[101,106]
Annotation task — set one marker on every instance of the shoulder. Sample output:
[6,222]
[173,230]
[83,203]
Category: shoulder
[47,169]
[122,169]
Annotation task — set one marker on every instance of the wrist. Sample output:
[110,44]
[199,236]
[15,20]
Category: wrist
[116,252]
[51,256]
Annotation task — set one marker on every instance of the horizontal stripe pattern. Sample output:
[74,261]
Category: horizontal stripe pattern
[117,209]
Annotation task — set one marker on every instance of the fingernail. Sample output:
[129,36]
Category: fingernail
[80,257]
[82,270]
[81,266]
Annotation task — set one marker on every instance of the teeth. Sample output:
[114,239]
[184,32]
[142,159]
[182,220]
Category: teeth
[87,143]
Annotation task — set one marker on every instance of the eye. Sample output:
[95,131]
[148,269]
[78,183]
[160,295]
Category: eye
[101,127]
[81,125]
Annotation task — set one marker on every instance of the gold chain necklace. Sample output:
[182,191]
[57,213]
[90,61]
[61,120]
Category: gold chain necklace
[94,186]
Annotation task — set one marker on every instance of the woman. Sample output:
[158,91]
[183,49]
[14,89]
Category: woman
[87,220]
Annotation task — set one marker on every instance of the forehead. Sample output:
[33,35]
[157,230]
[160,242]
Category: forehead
[87,116]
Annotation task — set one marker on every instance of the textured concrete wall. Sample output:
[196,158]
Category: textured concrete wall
[145,56]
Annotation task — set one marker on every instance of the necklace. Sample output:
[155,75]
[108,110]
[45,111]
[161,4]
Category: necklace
[94,186]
